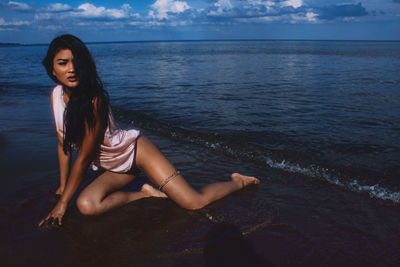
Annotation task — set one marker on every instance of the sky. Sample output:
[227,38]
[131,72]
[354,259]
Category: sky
[38,21]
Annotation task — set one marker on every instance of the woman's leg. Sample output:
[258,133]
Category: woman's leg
[157,168]
[102,194]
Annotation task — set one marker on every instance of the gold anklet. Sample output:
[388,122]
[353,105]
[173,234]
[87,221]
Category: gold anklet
[168,180]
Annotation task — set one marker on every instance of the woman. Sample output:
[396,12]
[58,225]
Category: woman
[84,122]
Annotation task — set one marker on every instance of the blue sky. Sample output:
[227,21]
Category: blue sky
[133,20]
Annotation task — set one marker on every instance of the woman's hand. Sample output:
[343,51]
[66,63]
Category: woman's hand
[56,215]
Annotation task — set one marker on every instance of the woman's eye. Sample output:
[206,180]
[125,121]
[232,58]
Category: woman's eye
[62,63]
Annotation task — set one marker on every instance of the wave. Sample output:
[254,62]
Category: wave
[375,190]
[356,180]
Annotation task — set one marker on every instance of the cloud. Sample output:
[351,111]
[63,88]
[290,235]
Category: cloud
[292,18]
[126,7]
[341,11]
[223,4]
[162,9]
[221,7]
[58,7]
[304,17]
[260,4]
[13,23]
[172,13]
[261,11]
[60,12]
[259,8]
[88,10]
[18,6]
[292,3]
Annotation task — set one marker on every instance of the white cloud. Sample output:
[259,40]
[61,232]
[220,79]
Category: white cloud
[88,10]
[18,6]
[116,13]
[51,27]
[46,16]
[255,6]
[225,4]
[261,3]
[265,19]
[301,17]
[84,12]
[305,17]
[311,16]
[163,7]
[14,23]
[162,12]
[58,7]
[126,7]
[293,3]
[222,6]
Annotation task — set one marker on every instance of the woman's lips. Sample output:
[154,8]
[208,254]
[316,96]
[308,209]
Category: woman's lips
[72,79]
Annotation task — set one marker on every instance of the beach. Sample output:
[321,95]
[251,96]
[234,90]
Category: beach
[318,122]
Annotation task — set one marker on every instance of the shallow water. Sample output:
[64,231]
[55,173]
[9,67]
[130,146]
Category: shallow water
[317,122]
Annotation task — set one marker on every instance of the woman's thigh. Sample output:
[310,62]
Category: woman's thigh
[105,184]
[158,168]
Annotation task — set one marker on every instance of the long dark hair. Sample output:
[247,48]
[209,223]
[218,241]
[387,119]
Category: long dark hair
[89,91]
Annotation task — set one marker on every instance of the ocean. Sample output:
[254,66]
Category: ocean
[317,121]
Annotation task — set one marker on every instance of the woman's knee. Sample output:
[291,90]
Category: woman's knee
[193,204]
[86,206]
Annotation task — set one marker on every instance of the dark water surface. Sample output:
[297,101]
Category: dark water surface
[317,121]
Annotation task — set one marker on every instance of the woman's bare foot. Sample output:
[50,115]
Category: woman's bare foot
[152,192]
[244,180]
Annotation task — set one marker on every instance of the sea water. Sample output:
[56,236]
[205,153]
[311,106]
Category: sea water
[317,121]
[330,110]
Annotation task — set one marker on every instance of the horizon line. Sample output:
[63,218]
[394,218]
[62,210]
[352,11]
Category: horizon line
[205,40]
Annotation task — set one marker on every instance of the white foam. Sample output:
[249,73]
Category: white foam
[375,191]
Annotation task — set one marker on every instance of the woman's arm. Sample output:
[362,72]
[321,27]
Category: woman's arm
[64,162]
[87,152]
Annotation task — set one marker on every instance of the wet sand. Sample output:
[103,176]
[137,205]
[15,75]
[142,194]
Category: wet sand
[287,220]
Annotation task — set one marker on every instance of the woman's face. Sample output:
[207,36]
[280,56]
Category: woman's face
[63,68]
